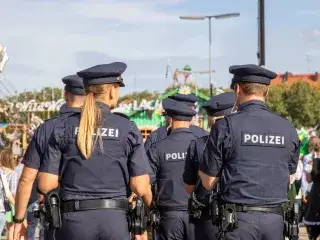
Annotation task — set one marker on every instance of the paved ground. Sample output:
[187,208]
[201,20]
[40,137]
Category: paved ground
[303,234]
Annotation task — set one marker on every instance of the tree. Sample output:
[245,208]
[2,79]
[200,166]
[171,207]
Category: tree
[276,100]
[298,103]
[303,104]
[139,96]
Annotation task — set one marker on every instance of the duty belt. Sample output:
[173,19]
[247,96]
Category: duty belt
[94,204]
[267,209]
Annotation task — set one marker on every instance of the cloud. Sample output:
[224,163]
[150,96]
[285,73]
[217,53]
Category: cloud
[47,40]
[124,12]
[308,12]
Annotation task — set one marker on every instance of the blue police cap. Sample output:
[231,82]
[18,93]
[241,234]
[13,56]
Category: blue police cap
[73,84]
[188,99]
[220,105]
[251,73]
[104,74]
[178,110]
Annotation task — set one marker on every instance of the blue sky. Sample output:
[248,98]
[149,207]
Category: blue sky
[48,39]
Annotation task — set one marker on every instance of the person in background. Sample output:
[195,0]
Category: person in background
[8,186]
[311,216]
[216,108]
[19,167]
[166,158]
[162,132]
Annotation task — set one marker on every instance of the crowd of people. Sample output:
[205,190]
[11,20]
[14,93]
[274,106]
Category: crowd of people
[307,187]
[91,163]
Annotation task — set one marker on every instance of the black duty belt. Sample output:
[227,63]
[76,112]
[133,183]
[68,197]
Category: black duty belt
[94,204]
[267,209]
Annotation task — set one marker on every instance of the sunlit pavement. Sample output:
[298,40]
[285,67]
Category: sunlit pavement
[303,234]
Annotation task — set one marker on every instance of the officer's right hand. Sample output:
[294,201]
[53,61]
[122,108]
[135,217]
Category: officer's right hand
[20,232]
[141,237]
[304,199]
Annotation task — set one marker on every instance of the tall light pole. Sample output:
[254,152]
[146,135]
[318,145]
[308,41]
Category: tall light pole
[220,16]
[261,34]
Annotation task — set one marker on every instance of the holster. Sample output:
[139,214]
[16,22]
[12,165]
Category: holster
[291,222]
[228,219]
[52,206]
[137,215]
[195,207]
[41,213]
[214,211]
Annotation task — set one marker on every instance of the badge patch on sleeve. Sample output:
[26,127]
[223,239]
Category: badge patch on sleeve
[263,139]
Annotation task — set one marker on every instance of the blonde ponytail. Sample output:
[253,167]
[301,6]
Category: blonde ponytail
[89,124]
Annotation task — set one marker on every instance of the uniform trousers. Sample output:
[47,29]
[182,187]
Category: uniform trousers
[101,224]
[175,225]
[257,226]
[204,229]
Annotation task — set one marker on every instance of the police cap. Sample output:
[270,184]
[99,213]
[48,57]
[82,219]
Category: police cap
[104,74]
[220,105]
[251,73]
[188,99]
[73,84]
[178,110]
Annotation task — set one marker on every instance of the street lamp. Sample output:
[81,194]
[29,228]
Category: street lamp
[220,16]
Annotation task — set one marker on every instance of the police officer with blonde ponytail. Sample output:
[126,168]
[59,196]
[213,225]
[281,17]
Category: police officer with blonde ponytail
[96,156]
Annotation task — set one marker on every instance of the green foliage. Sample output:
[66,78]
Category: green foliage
[45,95]
[139,96]
[276,100]
[299,103]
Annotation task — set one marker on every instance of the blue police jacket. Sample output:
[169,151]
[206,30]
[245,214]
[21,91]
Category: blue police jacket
[167,159]
[254,151]
[106,174]
[37,146]
[162,132]
[193,158]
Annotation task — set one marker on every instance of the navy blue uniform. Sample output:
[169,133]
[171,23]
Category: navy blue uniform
[218,105]
[105,175]
[253,151]
[37,147]
[204,229]
[167,157]
[162,132]
[94,186]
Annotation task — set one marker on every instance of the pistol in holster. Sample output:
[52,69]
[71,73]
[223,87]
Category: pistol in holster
[195,207]
[291,221]
[153,221]
[40,212]
[52,209]
[137,215]
[227,220]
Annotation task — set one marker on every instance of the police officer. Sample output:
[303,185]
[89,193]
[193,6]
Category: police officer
[216,108]
[254,152]
[162,132]
[96,156]
[32,160]
[167,158]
